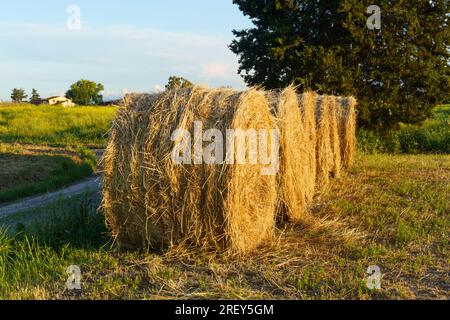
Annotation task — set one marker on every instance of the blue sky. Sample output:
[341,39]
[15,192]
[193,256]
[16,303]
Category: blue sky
[128,46]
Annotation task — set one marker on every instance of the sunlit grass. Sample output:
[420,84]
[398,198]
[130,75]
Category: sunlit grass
[55,125]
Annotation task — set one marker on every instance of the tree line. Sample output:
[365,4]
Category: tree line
[83,92]
[86,92]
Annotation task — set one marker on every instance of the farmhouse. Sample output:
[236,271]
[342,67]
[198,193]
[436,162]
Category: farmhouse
[58,100]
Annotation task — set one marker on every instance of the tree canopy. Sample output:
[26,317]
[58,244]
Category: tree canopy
[398,73]
[178,82]
[85,92]
[18,95]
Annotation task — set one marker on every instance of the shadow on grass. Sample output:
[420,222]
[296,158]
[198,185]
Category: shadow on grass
[78,225]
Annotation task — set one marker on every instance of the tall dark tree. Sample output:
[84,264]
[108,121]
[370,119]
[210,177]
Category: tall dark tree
[18,95]
[178,82]
[398,73]
[85,92]
[35,97]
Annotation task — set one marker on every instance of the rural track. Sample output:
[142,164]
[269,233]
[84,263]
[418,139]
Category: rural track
[88,184]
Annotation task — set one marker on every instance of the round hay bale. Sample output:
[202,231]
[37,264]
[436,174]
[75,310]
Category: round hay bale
[152,202]
[122,179]
[324,149]
[348,131]
[307,106]
[252,197]
[335,137]
[295,174]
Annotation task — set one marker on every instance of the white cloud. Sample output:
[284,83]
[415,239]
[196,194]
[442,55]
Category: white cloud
[218,70]
[158,88]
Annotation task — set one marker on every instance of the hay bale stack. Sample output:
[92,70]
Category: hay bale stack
[307,106]
[152,202]
[348,131]
[335,136]
[295,176]
[323,144]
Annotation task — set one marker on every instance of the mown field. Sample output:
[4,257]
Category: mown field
[389,210]
[55,125]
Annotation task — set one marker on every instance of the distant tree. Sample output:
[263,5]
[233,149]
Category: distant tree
[398,73]
[177,83]
[85,92]
[35,97]
[18,95]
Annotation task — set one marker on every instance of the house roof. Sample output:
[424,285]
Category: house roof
[54,97]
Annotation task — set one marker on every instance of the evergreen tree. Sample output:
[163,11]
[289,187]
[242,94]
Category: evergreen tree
[398,73]
[35,97]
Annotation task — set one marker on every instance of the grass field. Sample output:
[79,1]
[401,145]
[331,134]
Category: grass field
[389,210]
[55,125]
[29,170]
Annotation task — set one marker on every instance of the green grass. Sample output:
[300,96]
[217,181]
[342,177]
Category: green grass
[24,173]
[433,136]
[36,254]
[391,211]
[55,125]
